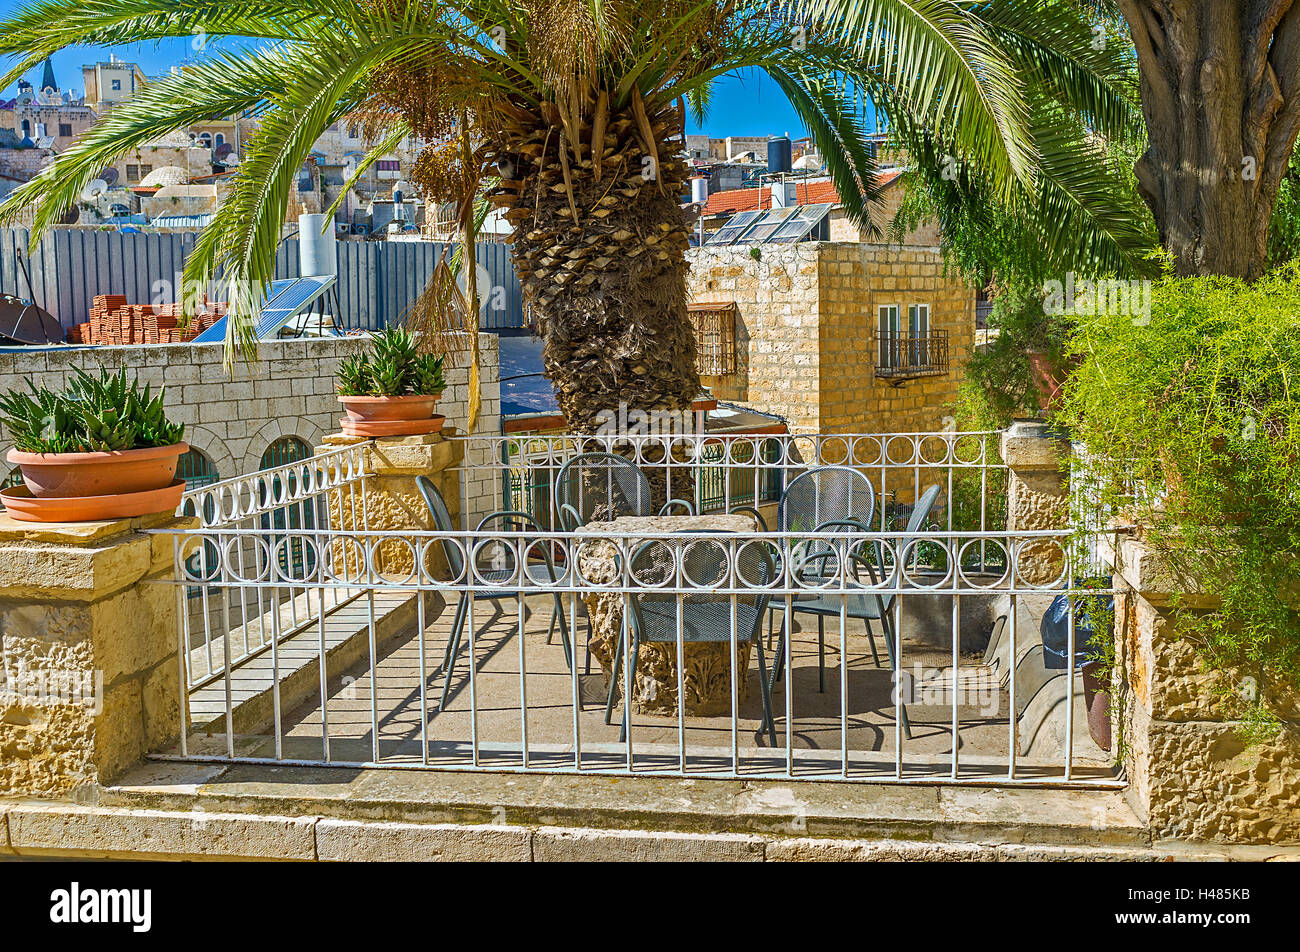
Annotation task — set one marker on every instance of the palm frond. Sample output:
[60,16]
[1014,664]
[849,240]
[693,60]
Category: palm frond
[230,84]
[943,65]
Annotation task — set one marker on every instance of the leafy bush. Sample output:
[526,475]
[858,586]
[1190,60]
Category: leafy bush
[93,414]
[393,368]
[1194,421]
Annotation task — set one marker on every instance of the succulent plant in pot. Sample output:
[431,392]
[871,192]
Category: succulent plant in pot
[100,448]
[392,388]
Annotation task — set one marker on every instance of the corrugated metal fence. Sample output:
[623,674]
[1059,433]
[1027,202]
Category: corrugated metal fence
[378,280]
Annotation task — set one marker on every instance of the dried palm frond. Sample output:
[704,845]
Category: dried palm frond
[441,316]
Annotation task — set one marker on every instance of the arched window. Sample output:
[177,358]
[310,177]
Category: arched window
[220,139]
[205,139]
[198,470]
[295,557]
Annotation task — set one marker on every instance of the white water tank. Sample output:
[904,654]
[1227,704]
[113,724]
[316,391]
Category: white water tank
[784,195]
[699,190]
[317,250]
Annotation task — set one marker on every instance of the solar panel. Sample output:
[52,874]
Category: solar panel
[796,228]
[285,298]
[292,300]
[769,223]
[732,230]
[774,225]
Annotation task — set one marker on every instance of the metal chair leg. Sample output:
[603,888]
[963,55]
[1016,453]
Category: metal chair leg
[765,691]
[821,654]
[558,612]
[871,638]
[778,657]
[613,680]
[457,619]
[891,643]
[627,706]
[453,649]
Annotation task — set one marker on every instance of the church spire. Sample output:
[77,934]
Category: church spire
[47,77]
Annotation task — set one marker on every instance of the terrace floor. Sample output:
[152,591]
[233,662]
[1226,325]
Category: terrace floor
[489,711]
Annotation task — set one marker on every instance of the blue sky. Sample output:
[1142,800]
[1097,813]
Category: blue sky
[743,105]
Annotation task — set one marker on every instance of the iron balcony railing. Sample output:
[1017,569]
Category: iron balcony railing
[869,625]
[901,356]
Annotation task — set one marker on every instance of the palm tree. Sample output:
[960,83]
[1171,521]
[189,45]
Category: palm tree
[577,110]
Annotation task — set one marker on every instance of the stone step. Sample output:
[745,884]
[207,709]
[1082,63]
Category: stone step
[934,812]
[297,662]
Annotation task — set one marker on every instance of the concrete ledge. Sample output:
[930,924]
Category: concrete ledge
[66,829]
[355,840]
[928,812]
[5,848]
[79,831]
[636,846]
[857,851]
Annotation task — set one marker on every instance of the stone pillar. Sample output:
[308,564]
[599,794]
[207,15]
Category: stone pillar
[1190,771]
[89,679]
[1038,488]
[392,501]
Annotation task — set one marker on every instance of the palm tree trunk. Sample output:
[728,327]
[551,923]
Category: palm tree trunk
[599,245]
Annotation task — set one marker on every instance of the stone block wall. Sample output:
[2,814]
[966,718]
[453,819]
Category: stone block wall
[806,323]
[89,679]
[234,419]
[1191,773]
[854,281]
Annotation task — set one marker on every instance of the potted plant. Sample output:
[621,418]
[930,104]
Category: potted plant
[392,389]
[102,448]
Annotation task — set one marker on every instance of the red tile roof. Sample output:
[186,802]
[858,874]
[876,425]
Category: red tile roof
[817,192]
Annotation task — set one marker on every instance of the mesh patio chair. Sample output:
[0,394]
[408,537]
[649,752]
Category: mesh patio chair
[538,573]
[826,494]
[706,617]
[598,487]
[815,497]
[868,606]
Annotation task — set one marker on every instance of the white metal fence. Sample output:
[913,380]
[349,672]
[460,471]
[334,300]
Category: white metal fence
[948,595]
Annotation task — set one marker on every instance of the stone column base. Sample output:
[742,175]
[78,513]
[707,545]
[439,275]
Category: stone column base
[90,675]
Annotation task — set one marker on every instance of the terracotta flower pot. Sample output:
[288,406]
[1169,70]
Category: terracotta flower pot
[1096,700]
[389,409]
[69,475]
[1049,378]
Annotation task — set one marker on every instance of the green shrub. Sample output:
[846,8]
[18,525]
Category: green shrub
[1196,415]
[393,368]
[93,414]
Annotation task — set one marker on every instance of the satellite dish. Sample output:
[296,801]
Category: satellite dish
[483,284]
[23,322]
[109,175]
[231,161]
[94,190]
[223,151]
[71,216]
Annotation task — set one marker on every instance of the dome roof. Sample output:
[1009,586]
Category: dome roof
[167,175]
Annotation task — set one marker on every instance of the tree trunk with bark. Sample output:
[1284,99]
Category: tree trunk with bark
[599,245]
[1221,95]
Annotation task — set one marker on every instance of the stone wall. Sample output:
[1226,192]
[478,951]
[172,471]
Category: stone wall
[806,325]
[89,679]
[233,420]
[1192,775]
